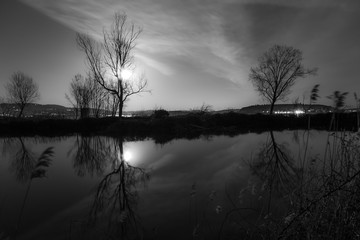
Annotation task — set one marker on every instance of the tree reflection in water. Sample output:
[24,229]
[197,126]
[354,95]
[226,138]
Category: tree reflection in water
[90,155]
[257,210]
[113,211]
[27,166]
[23,162]
[317,200]
[275,166]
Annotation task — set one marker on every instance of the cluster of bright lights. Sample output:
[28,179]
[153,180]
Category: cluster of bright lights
[297,112]
[284,112]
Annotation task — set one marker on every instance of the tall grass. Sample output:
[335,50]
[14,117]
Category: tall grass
[327,205]
[38,171]
[296,198]
[303,196]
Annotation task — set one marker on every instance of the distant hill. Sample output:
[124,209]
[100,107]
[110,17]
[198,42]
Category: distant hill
[34,109]
[144,113]
[58,111]
[287,108]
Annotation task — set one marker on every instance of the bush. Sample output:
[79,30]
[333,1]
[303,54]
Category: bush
[160,113]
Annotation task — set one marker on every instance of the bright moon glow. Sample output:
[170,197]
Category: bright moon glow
[127,155]
[126,74]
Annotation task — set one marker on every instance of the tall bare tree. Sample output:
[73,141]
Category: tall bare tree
[99,95]
[22,90]
[111,104]
[81,95]
[276,73]
[109,59]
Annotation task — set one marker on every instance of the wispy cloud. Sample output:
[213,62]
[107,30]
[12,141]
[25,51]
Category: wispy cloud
[179,28]
[220,38]
[183,28]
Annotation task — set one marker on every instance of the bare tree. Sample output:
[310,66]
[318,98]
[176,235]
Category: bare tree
[114,208]
[112,104]
[81,95]
[276,73]
[22,90]
[99,95]
[111,58]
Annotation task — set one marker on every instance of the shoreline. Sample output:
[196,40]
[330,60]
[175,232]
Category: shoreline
[190,125]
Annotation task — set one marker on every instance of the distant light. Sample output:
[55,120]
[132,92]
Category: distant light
[298,112]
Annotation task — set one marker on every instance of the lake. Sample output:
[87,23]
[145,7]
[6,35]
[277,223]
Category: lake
[216,187]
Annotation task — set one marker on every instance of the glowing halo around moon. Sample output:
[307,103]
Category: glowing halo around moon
[127,156]
[126,74]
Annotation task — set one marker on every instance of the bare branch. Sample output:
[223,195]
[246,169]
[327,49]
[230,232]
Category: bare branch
[277,72]
[22,90]
[108,60]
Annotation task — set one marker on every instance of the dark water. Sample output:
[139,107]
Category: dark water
[105,188]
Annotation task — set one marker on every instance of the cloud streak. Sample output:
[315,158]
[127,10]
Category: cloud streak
[221,38]
[184,29]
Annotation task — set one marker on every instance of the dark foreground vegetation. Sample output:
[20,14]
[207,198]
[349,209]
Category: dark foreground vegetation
[191,125]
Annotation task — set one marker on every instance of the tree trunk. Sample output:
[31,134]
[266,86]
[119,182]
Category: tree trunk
[276,154]
[21,110]
[271,108]
[121,105]
[84,112]
[121,98]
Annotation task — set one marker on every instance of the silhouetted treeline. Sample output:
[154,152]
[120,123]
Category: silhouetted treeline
[191,125]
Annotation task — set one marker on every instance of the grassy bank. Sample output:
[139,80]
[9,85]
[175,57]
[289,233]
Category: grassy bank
[180,126]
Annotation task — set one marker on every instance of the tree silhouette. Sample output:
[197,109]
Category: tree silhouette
[23,162]
[113,211]
[22,90]
[109,60]
[90,155]
[276,73]
[116,197]
[274,165]
[81,94]
[27,168]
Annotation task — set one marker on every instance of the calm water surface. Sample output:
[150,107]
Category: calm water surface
[105,188]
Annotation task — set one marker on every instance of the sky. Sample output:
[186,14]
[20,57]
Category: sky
[191,51]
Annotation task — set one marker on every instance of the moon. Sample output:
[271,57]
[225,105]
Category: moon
[127,155]
[126,74]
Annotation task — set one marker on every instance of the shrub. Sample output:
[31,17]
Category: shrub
[160,113]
